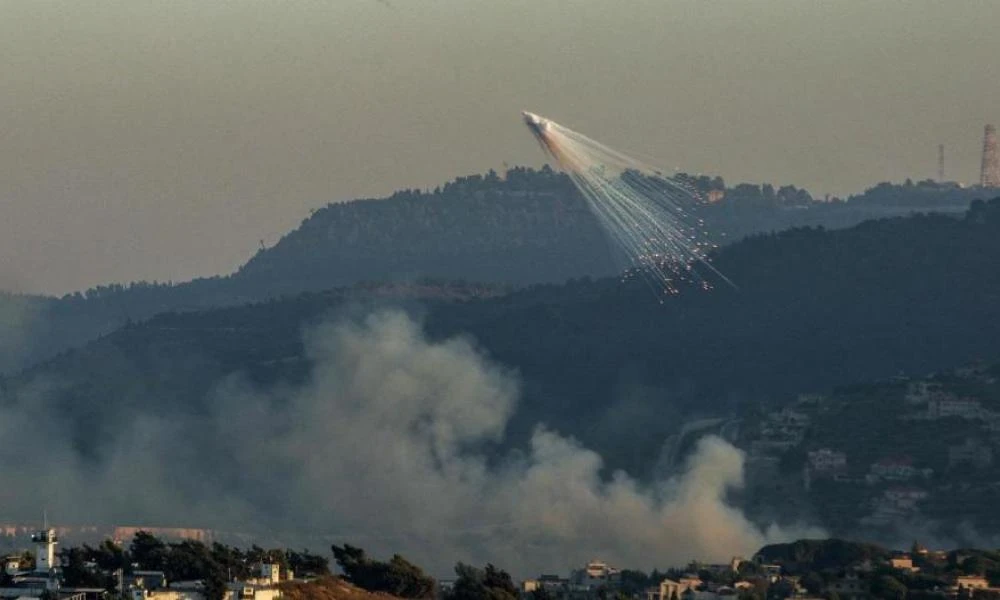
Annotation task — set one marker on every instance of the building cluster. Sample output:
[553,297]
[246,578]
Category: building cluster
[44,581]
[759,579]
[581,583]
[597,579]
[792,460]
[153,585]
[779,432]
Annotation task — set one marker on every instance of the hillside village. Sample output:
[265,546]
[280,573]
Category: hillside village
[888,454]
[805,570]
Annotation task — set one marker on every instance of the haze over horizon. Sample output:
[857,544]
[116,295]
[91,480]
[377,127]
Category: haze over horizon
[162,141]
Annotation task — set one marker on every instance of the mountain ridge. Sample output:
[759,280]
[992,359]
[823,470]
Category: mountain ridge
[522,228]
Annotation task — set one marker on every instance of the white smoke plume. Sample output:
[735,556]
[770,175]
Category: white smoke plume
[18,317]
[390,445]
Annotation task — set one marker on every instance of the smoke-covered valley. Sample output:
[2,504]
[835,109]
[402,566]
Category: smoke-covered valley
[386,443]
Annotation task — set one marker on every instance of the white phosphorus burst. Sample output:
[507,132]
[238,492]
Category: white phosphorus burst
[648,216]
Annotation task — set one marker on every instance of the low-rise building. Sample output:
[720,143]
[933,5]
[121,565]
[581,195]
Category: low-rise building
[553,584]
[903,563]
[672,590]
[241,590]
[970,582]
[892,469]
[827,460]
[848,587]
[970,453]
[167,594]
[944,406]
[147,580]
[596,574]
[195,590]
[919,392]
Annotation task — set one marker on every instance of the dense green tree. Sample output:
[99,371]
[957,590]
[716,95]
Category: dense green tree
[541,593]
[192,560]
[75,571]
[490,583]
[975,565]
[148,551]
[307,564]
[888,587]
[633,582]
[257,555]
[812,582]
[232,561]
[109,556]
[780,590]
[816,555]
[398,577]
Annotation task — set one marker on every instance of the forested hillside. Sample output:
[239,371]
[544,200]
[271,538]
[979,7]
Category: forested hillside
[523,228]
[600,358]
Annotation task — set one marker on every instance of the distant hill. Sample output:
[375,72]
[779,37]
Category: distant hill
[523,228]
[528,227]
[532,227]
[926,194]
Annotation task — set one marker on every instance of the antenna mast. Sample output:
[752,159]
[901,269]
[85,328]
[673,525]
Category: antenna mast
[989,174]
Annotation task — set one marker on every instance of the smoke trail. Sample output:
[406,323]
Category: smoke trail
[648,216]
[391,445]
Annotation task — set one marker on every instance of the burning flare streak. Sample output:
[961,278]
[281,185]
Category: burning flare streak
[648,216]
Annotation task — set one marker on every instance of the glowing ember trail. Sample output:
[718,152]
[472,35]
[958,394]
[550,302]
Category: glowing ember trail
[647,215]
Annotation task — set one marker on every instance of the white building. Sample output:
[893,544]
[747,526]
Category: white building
[45,550]
[944,406]
[826,460]
[550,583]
[245,591]
[672,590]
[168,594]
[596,574]
[271,573]
[195,590]
[892,469]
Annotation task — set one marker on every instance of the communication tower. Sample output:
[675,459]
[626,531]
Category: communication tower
[989,175]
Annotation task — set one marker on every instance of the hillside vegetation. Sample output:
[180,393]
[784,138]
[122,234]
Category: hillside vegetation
[524,228]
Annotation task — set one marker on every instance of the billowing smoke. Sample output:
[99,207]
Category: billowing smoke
[18,315]
[392,444]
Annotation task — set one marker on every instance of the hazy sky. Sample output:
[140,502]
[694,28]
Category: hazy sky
[163,140]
